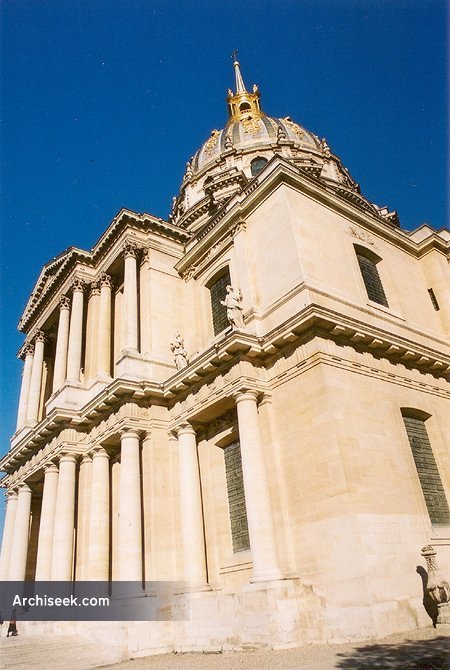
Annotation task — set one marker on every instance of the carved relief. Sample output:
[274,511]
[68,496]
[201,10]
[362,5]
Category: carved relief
[361,235]
[251,126]
[212,142]
[294,127]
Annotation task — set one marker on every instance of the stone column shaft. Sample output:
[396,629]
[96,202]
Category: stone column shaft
[34,395]
[145,309]
[62,553]
[75,333]
[84,496]
[8,534]
[104,328]
[25,387]
[130,526]
[19,549]
[192,531]
[130,299]
[62,343]
[256,487]
[45,541]
[99,518]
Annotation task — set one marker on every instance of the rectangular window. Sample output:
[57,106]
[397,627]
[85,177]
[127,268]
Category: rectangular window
[236,497]
[372,280]
[429,477]
[218,291]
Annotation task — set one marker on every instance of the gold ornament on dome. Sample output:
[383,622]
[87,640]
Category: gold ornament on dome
[294,127]
[212,142]
[251,126]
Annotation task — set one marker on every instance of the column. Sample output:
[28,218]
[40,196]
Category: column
[192,531]
[45,541]
[75,332]
[130,525]
[62,553]
[144,295]
[34,395]
[90,356]
[99,518]
[8,534]
[62,343]
[256,487]
[84,497]
[25,388]
[19,549]
[104,328]
[130,315]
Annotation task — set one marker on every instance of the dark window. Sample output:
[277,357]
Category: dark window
[218,291]
[429,477]
[433,299]
[257,165]
[372,280]
[236,497]
[244,107]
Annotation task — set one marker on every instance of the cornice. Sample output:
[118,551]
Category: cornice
[56,271]
[231,347]
[280,171]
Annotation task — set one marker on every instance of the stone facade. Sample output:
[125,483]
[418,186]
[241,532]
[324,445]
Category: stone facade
[130,399]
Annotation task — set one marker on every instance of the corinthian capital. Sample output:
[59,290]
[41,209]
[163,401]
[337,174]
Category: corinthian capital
[105,280]
[64,302]
[78,285]
[94,288]
[28,350]
[40,336]
[130,250]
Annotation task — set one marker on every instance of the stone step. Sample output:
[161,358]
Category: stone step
[59,652]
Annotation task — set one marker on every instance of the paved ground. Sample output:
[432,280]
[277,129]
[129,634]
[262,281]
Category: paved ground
[427,649]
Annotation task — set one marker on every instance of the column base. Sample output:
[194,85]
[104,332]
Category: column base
[103,377]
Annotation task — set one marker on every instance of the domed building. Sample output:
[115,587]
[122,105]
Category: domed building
[251,398]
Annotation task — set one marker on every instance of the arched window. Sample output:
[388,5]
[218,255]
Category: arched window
[244,107]
[427,470]
[367,261]
[257,165]
[218,290]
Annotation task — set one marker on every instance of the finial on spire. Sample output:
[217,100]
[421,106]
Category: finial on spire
[240,86]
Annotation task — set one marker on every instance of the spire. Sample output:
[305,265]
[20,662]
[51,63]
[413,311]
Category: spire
[242,104]
[240,86]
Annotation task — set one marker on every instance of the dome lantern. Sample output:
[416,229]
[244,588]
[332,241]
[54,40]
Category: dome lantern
[242,104]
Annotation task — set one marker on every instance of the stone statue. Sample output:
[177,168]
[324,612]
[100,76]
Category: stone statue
[179,352]
[232,302]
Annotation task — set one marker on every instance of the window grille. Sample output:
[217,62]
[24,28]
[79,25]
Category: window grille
[236,497]
[218,291]
[427,470]
[372,280]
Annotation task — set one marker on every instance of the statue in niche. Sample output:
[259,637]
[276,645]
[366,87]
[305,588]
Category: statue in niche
[233,303]
[179,352]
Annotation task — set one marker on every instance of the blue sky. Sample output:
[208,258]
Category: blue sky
[104,101]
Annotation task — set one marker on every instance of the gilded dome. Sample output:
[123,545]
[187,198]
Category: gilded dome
[233,156]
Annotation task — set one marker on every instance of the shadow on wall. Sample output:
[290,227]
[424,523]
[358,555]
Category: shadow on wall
[423,655]
[431,607]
